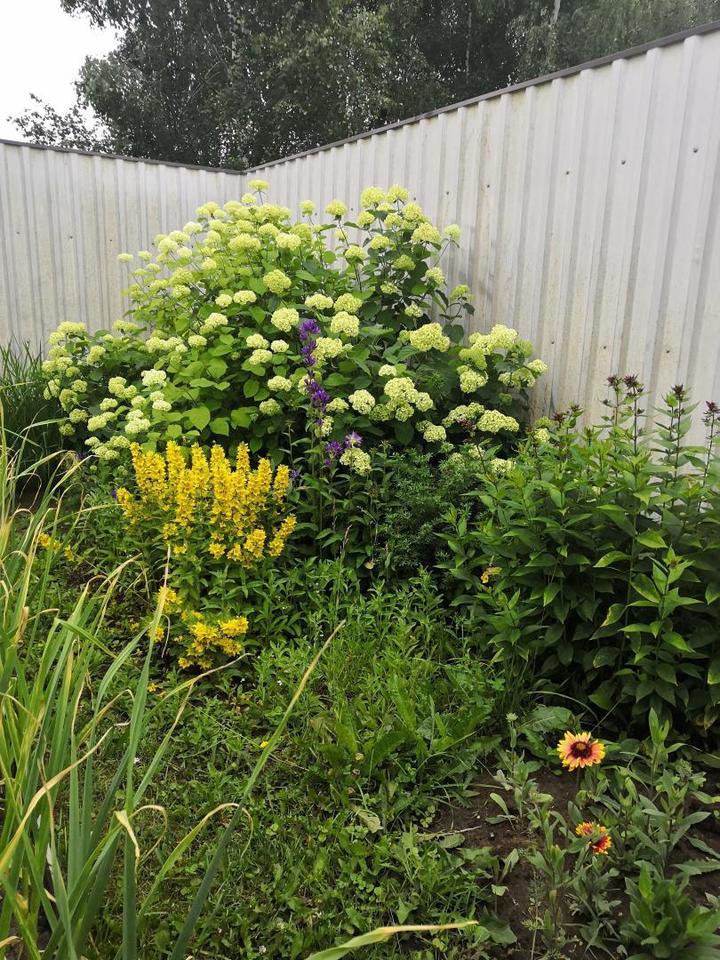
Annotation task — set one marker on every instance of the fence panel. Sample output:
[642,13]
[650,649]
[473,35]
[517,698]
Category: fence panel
[589,209]
[65,216]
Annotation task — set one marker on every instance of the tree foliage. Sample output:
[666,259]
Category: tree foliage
[237,82]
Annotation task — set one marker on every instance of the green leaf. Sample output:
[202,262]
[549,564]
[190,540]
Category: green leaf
[550,592]
[712,592]
[714,671]
[381,935]
[613,614]
[651,538]
[199,417]
[404,431]
[221,426]
[335,380]
[612,557]
[242,416]
[217,367]
[618,517]
[202,382]
[643,585]
[605,656]
[677,642]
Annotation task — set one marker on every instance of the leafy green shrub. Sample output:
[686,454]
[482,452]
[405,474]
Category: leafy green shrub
[416,492]
[245,326]
[664,922]
[594,561]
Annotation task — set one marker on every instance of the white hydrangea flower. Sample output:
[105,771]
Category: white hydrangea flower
[153,378]
[285,318]
[319,301]
[362,401]
[357,460]
[326,348]
[260,357]
[492,421]
[428,337]
[345,323]
[244,297]
[279,384]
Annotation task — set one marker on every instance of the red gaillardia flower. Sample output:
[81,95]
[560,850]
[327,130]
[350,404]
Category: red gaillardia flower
[602,841]
[580,750]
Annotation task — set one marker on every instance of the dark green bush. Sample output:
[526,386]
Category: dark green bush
[595,562]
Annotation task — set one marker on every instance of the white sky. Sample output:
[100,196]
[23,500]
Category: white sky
[41,51]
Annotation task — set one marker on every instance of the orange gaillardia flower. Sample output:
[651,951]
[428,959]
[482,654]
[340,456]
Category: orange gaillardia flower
[580,750]
[602,841]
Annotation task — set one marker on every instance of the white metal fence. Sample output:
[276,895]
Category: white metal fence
[589,208]
[588,202]
[65,216]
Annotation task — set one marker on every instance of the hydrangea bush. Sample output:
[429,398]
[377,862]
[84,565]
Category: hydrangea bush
[245,326]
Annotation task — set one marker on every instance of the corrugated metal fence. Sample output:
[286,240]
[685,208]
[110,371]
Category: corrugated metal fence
[589,207]
[65,216]
[588,202]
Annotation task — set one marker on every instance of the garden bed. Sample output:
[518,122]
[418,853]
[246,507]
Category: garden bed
[310,631]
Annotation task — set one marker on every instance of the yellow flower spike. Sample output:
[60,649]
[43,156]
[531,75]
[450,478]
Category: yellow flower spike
[235,553]
[175,465]
[281,483]
[277,544]
[169,598]
[125,501]
[234,627]
[150,473]
[242,460]
[264,473]
[255,543]
[199,504]
[200,468]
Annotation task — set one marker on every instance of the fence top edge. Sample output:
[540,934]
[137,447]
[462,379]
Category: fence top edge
[119,156]
[631,52]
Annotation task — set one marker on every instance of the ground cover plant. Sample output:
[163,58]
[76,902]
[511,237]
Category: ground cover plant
[285,676]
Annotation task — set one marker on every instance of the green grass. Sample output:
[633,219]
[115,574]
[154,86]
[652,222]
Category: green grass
[288,803]
[30,421]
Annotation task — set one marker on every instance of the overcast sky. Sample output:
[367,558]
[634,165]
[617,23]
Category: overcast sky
[41,51]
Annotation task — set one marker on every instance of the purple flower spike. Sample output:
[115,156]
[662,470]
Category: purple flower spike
[334,449]
[319,397]
[307,353]
[307,329]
